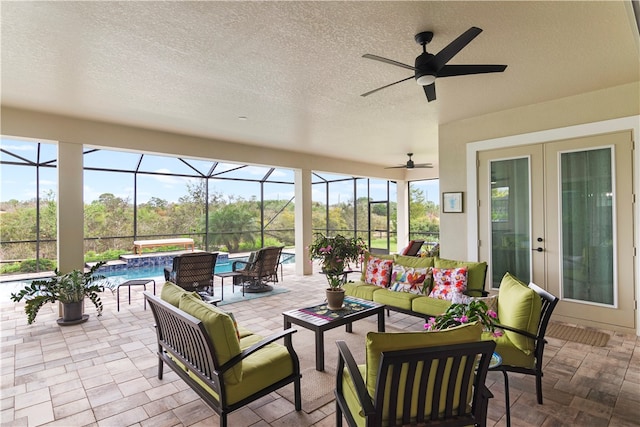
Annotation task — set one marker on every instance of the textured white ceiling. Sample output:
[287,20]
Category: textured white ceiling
[295,69]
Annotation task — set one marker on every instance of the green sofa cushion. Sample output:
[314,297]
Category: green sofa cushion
[221,331]
[519,307]
[171,293]
[430,306]
[395,299]
[475,277]
[361,290]
[377,342]
[414,261]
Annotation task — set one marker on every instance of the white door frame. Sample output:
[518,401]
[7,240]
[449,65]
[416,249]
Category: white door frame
[576,131]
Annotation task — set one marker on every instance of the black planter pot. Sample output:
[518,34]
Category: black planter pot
[72,313]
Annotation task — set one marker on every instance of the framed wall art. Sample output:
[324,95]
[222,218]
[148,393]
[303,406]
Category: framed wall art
[452,202]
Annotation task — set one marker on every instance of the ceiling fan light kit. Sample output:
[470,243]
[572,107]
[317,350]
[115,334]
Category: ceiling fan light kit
[429,67]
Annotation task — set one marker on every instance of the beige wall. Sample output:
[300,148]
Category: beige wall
[616,102]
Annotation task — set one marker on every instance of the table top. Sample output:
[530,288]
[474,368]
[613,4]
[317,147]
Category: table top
[319,314]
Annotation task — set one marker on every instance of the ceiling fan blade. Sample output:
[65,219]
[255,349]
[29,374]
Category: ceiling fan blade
[430,91]
[423,165]
[388,61]
[461,70]
[454,47]
[396,167]
[386,86]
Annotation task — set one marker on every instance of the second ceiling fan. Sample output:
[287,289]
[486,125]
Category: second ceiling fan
[411,165]
[428,67]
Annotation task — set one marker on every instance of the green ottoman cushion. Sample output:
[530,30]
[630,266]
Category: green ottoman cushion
[519,307]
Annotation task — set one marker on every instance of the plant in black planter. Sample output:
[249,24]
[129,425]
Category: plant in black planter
[335,254]
[69,289]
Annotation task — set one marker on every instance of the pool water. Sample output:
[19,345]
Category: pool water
[131,273]
[158,271]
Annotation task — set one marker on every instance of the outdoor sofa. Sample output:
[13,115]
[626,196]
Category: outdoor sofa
[404,283]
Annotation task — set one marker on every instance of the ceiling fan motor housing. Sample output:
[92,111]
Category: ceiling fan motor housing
[423,67]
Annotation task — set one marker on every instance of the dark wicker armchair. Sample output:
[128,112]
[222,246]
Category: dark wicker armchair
[261,268]
[193,272]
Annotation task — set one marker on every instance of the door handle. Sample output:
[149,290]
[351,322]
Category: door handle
[537,249]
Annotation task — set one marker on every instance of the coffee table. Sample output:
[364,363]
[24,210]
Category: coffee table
[319,318]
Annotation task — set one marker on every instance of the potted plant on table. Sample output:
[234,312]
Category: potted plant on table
[335,255]
[69,289]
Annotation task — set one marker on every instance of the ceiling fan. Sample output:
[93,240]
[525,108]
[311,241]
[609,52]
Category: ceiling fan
[411,165]
[428,67]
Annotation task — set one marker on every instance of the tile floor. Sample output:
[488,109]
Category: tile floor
[103,373]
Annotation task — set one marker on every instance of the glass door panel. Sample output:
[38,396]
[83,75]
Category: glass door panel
[587,226]
[510,219]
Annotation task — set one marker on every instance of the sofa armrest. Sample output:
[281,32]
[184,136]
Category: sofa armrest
[257,346]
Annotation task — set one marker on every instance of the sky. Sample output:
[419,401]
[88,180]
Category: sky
[18,182]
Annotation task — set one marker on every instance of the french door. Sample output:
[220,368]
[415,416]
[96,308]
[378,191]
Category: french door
[560,214]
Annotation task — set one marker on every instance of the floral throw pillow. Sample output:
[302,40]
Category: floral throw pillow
[448,281]
[378,272]
[409,279]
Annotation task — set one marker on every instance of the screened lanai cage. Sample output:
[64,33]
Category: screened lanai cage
[222,206]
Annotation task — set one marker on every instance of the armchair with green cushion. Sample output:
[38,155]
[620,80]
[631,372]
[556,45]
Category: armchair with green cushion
[225,364]
[523,313]
[416,378]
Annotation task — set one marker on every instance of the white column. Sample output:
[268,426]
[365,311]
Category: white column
[70,207]
[303,226]
[402,226]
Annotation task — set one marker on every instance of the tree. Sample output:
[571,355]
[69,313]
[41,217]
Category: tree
[233,223]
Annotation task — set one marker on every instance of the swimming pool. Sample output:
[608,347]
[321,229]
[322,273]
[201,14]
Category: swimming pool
[131,273]
[142,272]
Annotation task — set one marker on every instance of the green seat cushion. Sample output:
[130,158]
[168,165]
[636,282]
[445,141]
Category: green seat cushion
[361,290]
[430,306]
[171,293]
[377,342]
[519,307]
[263,368]
[475,277]
[221,331]
[395,299]
[510,354]
[351,397]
